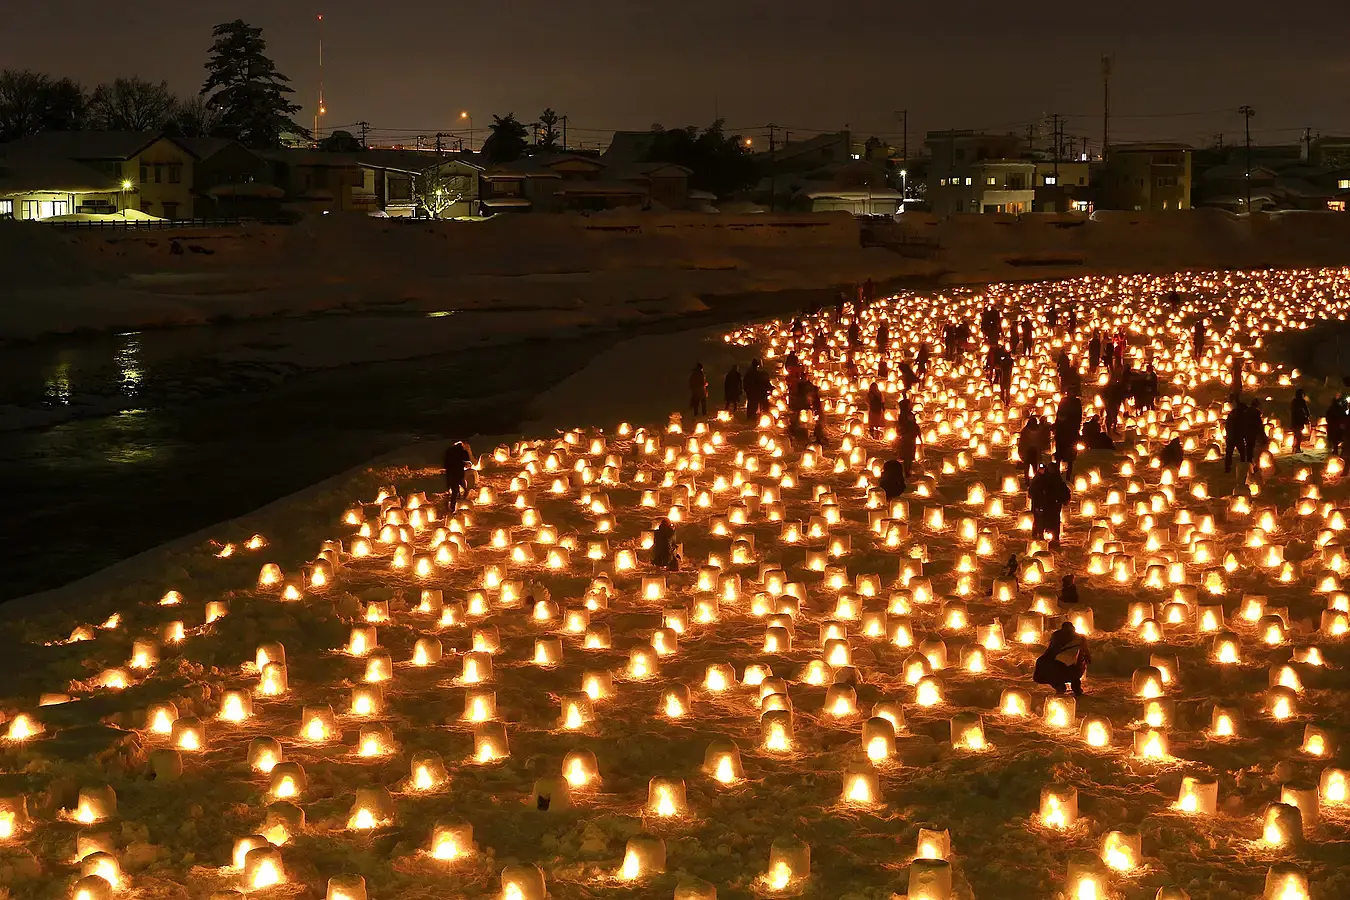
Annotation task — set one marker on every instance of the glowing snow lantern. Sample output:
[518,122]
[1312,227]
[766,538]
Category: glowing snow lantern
[288,780]
[1226,648]
[719,677]
[489,742]
[188,734]
[642,663]
[1281,702]
[1059,806]
[644,855]
[477,667]
[1282,825]
[1014,703]
[1150,744]
[13,816]
[317,723]
[967,731]
[928,691]
[264,753]
[1303,797]
[1198,796]
[91,887]
[597,685]
[1095,731]
[776,730]
[1286,882]
[1225,722]
[1332,786]
[273,682]
[789,865]
[159,718]
[1316,741]
[666,797]
[95,804]
[1059,712]
[1147,683]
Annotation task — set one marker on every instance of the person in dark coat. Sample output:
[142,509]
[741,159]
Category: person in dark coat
[1235,372]
[1254,432]
[732,390]
[1234,438]
[1068,590]
[1072,319]
[1068,430]
[854,334]
[1063,368]
[883,338]
[1048,495]
[698,391]
[1064,662]
[1336,416]
[1028,336]
[892,479]
[876,410]
[756,385]
[1300,416]
[1173,454]
[907,436]
[665,550]
[1029,446]
[1198,338]
[457,459]
[1095,437]
[921,361]
[1095,350]
[908,376]
[1114,399]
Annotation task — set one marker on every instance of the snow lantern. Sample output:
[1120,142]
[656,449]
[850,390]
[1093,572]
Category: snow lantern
[1122,850]
[428,771]
[666,797]
[372,808]
[789,866]
[374,740]
[551,793]
[1030,628]
[841,701]
[1147,682]
[216,609]
[477,667]
[160,717]
[1317,741]
[928,691]
[597,637]
[480,705]
[1282,825]
[644,855]
[967,731]
[287,780]
[346,887]
[274,681]
[547,652]
[264,753]
[105,866]
[1281,702]
[363,639]
[426,652]
[283,820]
[489,742]
[878,739]
[690,888]
[934,844]
[451,841]
[1095,731]
[675,701]
[524,882]
[665,641]
[719,677]
[263,868]
[95,804]
[1226,648]
[1198,795]
[861,786]
[776,730]
[577,712]
[379,666]
[1303,797]
[13,815]
[1285,881]
[242,846]
[235,706]
[1060,712]
[597,684]
[91,887]
[1225,722]
[367,700]
[1059,806]
[930,879]
[1086,881]
[1014,702]
[144,654]
[317,723]
[269,574]
[1332,786]
[1150,743]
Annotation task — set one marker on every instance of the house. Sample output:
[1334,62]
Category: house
[1063,186]
[972,172]
[810,154]
[1289,187]
[1146,177]
[231,181]
[389,181]
[861,187]
[568,182]
[313,181]
[40,187]
[156,169]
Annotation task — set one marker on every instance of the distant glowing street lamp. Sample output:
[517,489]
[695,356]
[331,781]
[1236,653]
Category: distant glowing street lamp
[126,188]
[904,187]
[465,115]
[749,141]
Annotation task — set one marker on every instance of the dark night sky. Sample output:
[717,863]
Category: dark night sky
[414,64]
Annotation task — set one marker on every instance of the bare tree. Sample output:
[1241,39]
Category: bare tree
[31,102]
[193,116]
[131,104]
[438,189]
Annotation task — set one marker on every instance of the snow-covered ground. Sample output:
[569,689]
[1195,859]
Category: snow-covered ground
[1229,590]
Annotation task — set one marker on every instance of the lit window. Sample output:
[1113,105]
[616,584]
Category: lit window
[1343,184]
[969,181]
[991,180]
[1336,205]
[6,209]
[1051,179]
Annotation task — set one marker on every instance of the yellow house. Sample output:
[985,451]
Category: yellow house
[153,172]
[39,187]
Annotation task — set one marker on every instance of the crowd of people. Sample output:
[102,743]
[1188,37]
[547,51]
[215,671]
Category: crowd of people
[1046,450]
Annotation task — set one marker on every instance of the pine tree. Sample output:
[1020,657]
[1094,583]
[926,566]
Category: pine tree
[244,86]
[508,141]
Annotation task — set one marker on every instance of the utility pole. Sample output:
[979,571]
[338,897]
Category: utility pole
[439,136]
[1307,144]
[1107,64]
[1247,112]
[365,133]
[1059,141]
[773,167]
[1031,137]
[564,121]
[903,115]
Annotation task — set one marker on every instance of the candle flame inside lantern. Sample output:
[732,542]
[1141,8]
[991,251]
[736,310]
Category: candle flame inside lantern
[1333,787]
[1096,735]
[1118,854]
[1223,725]
[1054,816]
[674,706]
[266,875]
[777,739]
[779,877]
[577,774]
[446,848]
[665,802]
[315,729]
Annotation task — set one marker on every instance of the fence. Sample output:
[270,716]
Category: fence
[161,224]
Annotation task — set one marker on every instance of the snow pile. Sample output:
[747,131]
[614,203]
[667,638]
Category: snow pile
[458,698]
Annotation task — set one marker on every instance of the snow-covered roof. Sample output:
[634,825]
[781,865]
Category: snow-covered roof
[22,173]
[90,144]
[582,188]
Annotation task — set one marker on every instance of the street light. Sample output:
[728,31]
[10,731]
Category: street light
[465,115]
[904,188]
[126,186]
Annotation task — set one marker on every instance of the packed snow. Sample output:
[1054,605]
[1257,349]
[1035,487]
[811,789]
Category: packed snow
[364,692]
